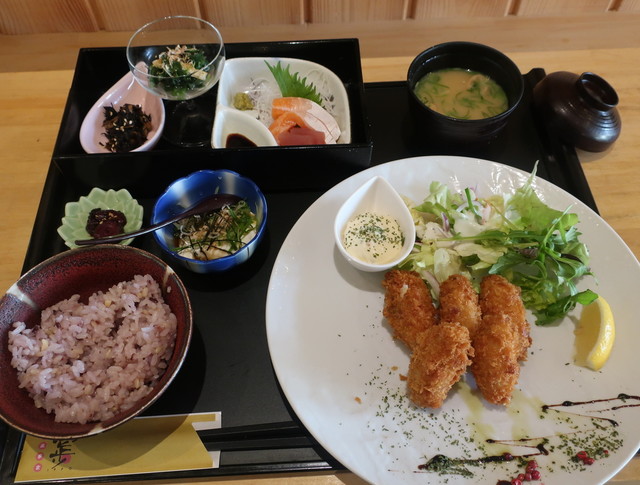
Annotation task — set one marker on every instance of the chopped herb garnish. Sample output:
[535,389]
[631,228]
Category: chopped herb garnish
[215,234]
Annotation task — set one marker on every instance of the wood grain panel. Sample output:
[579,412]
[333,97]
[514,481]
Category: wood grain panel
[345,11]
[120,15]
[377,39]
[629,6]
[426,9]
[236,13]
[560,7]
[37,16]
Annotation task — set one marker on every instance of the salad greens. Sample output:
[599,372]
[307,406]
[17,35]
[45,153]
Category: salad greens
[291,85]
[532,245]
[179,71]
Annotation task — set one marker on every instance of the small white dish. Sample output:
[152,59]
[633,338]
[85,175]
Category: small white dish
[236,122]
[251,75]
[377,196]
[126,90]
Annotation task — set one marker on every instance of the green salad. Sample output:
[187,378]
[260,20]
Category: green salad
[519,237]
[179,71]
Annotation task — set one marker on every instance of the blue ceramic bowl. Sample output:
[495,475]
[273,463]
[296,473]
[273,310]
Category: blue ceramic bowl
[189,190]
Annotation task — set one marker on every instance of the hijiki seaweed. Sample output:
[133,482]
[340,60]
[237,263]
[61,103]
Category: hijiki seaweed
[126,128]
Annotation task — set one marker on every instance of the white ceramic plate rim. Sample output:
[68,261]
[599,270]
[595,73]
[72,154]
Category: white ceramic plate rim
[336,361]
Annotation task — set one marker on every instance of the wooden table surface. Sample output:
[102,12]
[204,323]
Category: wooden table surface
[31,106]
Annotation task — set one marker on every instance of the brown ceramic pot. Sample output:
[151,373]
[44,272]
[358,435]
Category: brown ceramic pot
[581,109]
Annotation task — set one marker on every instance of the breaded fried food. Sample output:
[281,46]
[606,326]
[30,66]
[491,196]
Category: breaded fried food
[408,306]
[501,340]
[459,302]
[495,364]
[440,357]
[499,296]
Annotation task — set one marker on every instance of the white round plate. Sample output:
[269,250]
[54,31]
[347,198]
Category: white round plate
[343,373]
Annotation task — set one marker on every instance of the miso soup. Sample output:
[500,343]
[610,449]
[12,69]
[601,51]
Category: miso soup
[461,93]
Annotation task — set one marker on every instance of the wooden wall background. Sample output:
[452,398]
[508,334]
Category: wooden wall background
[57,16]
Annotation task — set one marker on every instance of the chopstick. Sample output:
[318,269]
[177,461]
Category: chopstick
[285,434]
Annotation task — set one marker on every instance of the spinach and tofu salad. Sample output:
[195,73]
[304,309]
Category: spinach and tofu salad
[179,71]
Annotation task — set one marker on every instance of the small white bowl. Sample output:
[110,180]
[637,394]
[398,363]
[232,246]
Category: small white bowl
[377,196]
[236,122]
[251,75]
[126,90]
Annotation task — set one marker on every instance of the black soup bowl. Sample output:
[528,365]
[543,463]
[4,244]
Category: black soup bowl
[470,56]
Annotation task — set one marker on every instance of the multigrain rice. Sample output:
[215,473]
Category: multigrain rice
[87,362]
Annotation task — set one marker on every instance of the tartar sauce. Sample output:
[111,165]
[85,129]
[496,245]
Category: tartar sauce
[373,238]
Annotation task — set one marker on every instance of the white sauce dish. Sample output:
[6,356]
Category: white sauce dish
[372,243]
[232,123]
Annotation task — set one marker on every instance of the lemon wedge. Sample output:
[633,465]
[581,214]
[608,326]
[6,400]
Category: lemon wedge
[595,334]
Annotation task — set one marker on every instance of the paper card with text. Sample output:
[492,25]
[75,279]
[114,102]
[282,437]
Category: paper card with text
[142,445]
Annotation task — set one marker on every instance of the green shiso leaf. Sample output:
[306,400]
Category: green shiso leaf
[292,85]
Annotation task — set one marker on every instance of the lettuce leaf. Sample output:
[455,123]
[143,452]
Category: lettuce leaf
[534,246]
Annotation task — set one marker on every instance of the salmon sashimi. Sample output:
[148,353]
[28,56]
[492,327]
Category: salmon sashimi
[284,129]
[284,123]
[309,115]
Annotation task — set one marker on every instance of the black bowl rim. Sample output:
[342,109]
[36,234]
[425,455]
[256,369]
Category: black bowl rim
[419,60]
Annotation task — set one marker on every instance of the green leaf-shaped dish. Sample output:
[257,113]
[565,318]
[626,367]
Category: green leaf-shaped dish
[76,214]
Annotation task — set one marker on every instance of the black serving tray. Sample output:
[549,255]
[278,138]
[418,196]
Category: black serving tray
[312,167]
[228,366]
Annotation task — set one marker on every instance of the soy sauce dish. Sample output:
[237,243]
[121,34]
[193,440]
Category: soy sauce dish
[374,229]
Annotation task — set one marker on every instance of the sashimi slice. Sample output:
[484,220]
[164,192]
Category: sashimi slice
[280,106]
[312,114]
[285,122]
[300,136]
